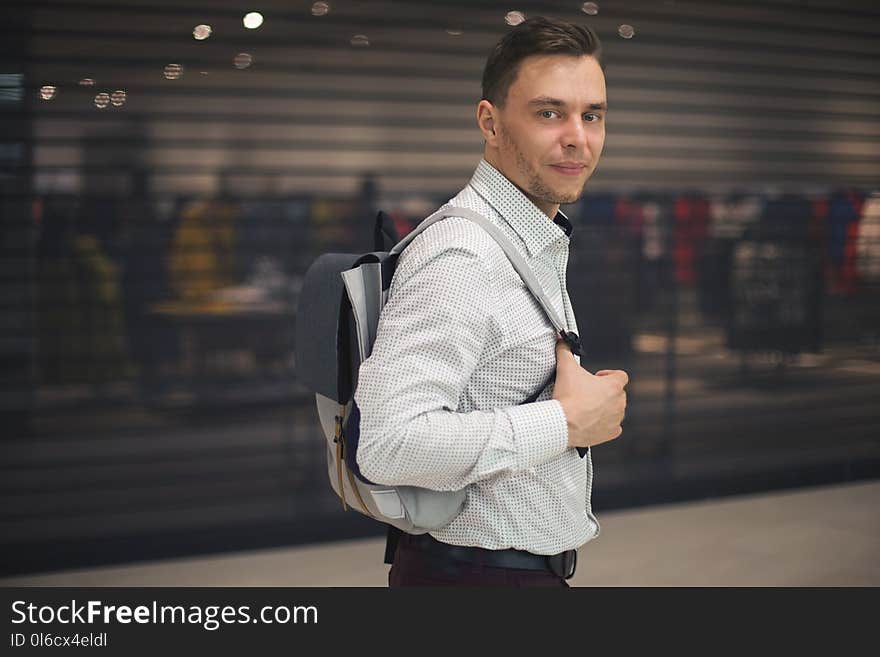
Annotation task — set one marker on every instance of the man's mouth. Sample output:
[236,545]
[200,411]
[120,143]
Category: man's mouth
[569,168]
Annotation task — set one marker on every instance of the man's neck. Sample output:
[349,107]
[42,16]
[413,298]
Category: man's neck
[550,209]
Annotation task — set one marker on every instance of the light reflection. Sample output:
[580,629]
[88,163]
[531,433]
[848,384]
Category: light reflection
[201,32]
[514,17]
[320,8]
[118,98]
[243,60]
[87,82]
[454,31]
[253,20]
[102,100]
[173,71]
[590,8]
[626,31]
[47,92]
[360,41]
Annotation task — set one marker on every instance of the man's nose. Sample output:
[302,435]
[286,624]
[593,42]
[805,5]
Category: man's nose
[575,134]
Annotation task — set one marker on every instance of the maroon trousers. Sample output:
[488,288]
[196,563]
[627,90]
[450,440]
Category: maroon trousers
[414,567]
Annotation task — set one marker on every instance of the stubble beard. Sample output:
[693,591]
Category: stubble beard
[537,188]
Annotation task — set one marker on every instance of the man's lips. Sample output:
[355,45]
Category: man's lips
[569,169]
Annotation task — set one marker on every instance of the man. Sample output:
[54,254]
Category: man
[462,343]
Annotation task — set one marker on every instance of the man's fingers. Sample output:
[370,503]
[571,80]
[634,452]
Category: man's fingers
[619,375]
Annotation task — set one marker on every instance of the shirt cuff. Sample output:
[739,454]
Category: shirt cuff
[540,432]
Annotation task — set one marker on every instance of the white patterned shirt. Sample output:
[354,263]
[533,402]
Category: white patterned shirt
[461,342]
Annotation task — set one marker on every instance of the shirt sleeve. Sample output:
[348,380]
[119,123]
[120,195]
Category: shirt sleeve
[431,334]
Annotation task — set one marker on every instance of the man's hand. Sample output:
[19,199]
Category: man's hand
[594,404]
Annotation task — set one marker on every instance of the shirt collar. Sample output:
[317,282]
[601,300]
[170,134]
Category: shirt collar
[530,223]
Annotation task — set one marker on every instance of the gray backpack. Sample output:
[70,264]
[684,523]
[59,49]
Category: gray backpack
[337,317]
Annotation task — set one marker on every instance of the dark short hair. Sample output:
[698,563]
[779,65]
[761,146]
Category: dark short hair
[535,36]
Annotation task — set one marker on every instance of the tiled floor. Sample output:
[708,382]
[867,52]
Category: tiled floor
[827,536]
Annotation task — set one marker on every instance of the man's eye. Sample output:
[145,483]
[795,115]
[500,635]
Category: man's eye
[548,114]
[591,118]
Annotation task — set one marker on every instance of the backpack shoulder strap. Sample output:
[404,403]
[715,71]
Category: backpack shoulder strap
[519,263]
[515,257]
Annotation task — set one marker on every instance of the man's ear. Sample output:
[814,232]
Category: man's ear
[487,116]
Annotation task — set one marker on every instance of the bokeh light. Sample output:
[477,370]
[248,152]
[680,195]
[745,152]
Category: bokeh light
[87,82]
[47,92]
[201,32]
[243,60]
[360,41]
[626,31]
[118,98]
[514,17]
[252,20]
[320,8]
[102,100]
[173,71]
[590,8]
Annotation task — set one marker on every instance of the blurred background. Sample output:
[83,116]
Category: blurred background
[169,169]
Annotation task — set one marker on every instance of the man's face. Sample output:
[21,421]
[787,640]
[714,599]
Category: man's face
[551,129]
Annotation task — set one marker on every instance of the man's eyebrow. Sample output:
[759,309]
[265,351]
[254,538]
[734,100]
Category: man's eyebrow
[555,102]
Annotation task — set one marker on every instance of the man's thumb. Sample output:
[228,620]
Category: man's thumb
[562,348]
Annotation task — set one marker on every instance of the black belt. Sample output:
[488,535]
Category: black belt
[562,565]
